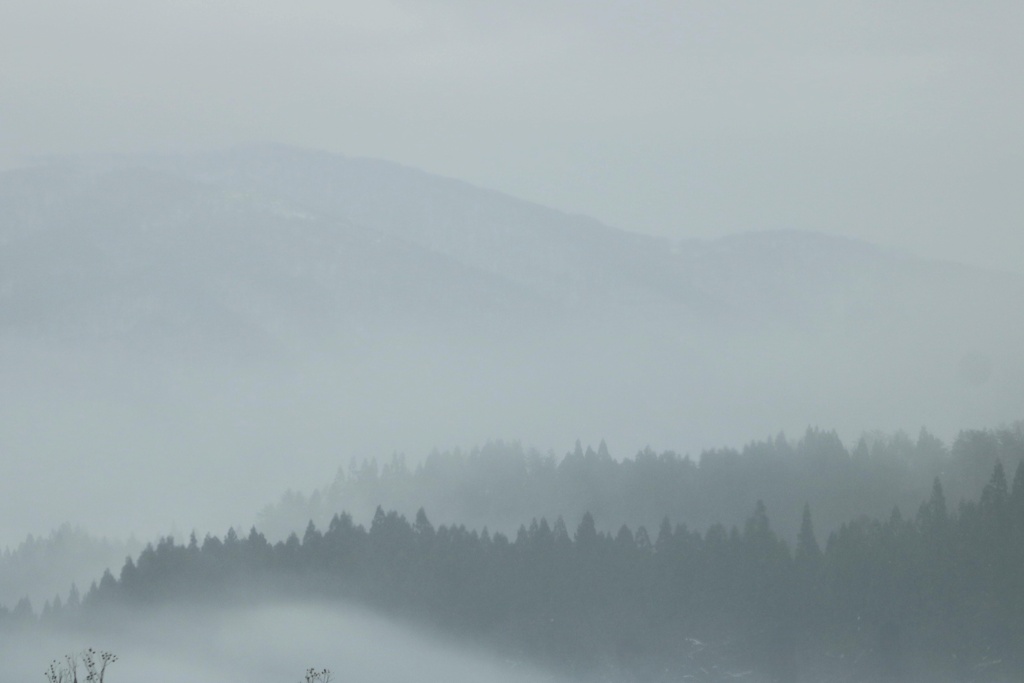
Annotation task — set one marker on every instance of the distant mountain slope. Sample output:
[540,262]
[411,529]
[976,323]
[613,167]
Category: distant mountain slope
[579,260]
[134,251]
[523,242]
[170,322]
[308,233]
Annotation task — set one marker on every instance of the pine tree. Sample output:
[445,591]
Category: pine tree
[808,553]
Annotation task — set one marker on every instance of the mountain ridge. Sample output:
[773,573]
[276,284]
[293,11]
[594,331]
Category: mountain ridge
[157,321]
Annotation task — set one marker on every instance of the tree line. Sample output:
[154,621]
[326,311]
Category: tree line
[936,595]
[502,484]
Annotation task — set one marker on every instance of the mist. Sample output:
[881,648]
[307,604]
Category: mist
[662,272]
[267,643]
[894,124]
[186,336]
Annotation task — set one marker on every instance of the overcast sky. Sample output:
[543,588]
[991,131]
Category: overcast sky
[897,122]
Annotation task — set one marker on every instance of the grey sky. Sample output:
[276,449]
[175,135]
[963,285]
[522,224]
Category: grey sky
[895,122]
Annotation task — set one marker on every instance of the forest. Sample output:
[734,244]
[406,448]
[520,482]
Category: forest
[932,592]
[501,485]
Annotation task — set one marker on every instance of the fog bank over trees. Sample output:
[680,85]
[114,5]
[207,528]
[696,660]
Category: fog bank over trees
[40,567]
[933,595]
[501,486]
[504,486]
[920,590]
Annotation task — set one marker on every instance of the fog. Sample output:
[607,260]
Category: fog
[243,245]
[265,643]
[187,336]
[897,124]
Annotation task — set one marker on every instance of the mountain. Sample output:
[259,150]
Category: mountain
[261,237]
[139,254]
[184,336]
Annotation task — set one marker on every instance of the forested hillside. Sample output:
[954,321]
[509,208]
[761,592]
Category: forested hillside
[38,567]
[501,485]
[928,589]
[935,594]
